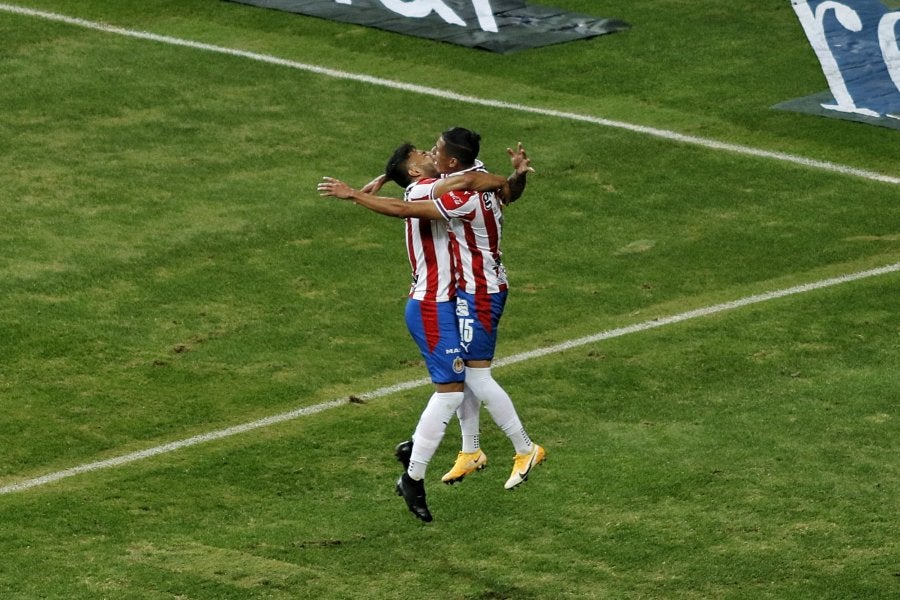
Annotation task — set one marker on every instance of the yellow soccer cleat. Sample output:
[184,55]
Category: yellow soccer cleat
[466,463]
[522,465]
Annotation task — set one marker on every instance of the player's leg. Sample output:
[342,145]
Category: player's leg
[484,313]
[474,342]
[433,327]
[501,408]
[470,458]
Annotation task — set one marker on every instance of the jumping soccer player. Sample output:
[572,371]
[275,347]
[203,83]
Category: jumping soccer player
[429,202]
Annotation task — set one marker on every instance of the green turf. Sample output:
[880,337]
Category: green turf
[169,270]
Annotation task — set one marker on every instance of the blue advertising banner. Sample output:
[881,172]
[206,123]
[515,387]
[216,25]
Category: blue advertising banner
[856,44]
[495,25]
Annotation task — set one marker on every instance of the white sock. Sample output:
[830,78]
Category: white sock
[469,413]
[430,430]
[500,406]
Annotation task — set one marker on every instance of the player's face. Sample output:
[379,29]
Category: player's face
[423,162]
[444,163]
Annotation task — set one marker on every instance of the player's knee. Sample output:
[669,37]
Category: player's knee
[480,381]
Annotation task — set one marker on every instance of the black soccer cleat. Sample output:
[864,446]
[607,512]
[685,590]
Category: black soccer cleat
[413,492]
[403,452]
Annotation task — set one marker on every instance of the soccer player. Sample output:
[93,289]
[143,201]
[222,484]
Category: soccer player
[429,202]
[482,290]
[482,296]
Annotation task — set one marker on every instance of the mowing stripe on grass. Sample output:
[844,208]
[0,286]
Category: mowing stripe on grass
[386,391]
[448,95]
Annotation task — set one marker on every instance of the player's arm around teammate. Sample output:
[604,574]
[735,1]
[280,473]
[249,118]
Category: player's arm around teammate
[394,207]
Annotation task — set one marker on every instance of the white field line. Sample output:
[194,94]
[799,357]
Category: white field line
[387,391]
[448,95]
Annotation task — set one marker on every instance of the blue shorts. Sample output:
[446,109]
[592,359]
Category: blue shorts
[479,317]
[434,327]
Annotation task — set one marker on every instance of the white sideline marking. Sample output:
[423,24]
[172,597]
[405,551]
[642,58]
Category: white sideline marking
[447,95]
[386,391]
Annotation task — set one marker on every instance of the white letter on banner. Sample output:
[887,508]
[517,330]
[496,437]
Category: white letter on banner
[887,37]
[485,15]
[814,26]
[423,8]
[343,1]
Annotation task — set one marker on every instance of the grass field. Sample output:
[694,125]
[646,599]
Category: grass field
[169,271]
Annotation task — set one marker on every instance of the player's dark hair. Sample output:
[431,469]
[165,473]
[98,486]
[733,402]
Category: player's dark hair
[462,144]
[396,169]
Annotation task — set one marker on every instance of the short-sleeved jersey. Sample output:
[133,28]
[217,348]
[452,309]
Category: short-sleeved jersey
[428,244]
[475,241]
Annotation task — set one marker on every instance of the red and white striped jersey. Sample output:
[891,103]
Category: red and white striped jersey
[475,241]
[428,248]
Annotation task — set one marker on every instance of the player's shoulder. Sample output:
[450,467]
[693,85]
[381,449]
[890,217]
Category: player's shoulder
[420,190]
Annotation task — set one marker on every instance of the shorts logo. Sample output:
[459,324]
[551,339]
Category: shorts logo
[458,365]
[462,308]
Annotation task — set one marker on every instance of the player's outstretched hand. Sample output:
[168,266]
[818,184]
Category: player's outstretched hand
[329,186]
[519,159]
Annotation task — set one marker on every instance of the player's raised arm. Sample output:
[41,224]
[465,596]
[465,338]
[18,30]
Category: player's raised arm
[521,167]
[392,207]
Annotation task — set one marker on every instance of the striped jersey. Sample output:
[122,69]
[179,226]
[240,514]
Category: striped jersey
[475,241]
[428,244]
